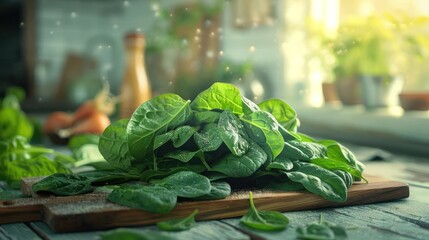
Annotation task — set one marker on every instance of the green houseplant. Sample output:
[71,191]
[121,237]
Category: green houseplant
[373,54]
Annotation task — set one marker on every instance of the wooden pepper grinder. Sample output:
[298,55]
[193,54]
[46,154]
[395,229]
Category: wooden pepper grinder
[135,87]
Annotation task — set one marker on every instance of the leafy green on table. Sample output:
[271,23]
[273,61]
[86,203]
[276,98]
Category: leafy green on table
[13,121]
[264,220]
[179,224]
[129,234]
[19,159]
[173,149]
[321,230]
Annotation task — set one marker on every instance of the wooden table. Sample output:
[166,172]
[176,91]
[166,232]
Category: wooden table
[402,219]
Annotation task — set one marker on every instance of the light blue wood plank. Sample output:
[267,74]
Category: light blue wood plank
[17,231]
[210,230]
[377,221]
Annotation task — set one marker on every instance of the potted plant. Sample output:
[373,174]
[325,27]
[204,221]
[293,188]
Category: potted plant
[374,54]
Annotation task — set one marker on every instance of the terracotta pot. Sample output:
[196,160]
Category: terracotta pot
[329,92]
[349,90]
[414,101]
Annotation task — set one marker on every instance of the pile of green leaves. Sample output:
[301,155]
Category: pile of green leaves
[220,139]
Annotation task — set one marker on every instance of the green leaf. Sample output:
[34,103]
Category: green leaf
[206,117]
[219,190]
[154,199]
[13,122]
[265,129]
[182,134]
[64,185]
[128,234]
[77,141]
[243,166]
[345,176]
[156,116]
[113,145]
[162,139]
[341,153]
[321,230]
[303,151]
[232,133]
[208,139]
[220,96]
[284,114]
[179,224]
[320,181]
[333,164]
[186,184]
[264,220]
[249,106]
[183,155]
[280,163]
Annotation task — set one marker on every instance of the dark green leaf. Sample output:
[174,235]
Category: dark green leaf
[162,139]
[186,184]
[333,164]
[303,151]
[113,145]
[244,166]
[339,152]
[264,220]
[64,185]
[154,199]
[265,129]
[208,139]
[183,155]
[179,224]
[128,234]
[320,181]
[182,134]
[232,133]
[206,117]
[322,230]
[219,190]
[156,116]
[280,163]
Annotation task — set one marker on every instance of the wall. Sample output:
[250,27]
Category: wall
[96,28]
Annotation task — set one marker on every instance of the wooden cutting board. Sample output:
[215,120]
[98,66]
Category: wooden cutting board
[93,212]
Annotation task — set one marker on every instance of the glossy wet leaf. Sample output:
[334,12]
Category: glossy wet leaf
[179,224]
[186,184]
[64,184]
[154,199]
[232,133]
[264,220]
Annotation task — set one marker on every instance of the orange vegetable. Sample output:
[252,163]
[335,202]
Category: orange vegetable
[91,117]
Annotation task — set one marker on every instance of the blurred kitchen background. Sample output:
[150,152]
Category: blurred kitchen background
[353,69]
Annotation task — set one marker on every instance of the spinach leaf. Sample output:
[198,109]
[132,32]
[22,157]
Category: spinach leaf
[206,117]
[333,164]
[156,116]
[280,163]
[179,224]
[128,234]
[320,181]
[232,133]
[113,145]
[264,220]
[303,151]
[162,139]
[18,159]
[186,184]
[243,166]
[249,106]
[322,230]
[77,141]
[64,184]
[220,96]
[347,177]
[154,199]
[219,190]
[341,153]
[184,156]
[265,129]
[284,114]
[208,139]
[182,134]
[273,184]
